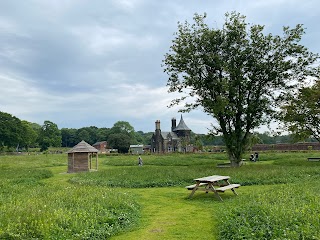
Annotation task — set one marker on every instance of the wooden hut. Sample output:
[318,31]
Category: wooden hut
[80,158]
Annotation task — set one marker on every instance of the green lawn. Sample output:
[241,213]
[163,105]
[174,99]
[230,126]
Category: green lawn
[278,199]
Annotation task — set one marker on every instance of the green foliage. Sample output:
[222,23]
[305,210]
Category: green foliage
[29,136]
[144,138]
[236,74]
[268,138]
[88,134]
[120,141]
[122,127]
[69,137]
[301,113]
[122,134]
[49,135]
[11,130]
[210,140]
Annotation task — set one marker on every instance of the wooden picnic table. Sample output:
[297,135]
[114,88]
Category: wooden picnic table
[214,184]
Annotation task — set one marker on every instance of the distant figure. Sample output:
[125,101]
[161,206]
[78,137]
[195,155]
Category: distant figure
[140,161]
[252,158]
[256,156]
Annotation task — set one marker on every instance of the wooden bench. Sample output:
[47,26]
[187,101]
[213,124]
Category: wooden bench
[314,159]
[191,187]
[231,186]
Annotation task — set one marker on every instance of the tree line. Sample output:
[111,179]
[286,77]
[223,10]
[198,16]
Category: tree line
[16,134]
[19,134]
[120,136]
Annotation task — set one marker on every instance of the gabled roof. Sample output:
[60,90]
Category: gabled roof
[165,135]
[83,147]
[98,143]
[181,126]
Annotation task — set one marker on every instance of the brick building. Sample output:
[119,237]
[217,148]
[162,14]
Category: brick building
[101,146]
[176,140]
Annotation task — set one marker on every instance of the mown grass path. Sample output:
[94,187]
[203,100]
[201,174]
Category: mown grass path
[167,213]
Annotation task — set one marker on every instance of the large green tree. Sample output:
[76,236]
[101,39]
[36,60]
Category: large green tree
[121,135]
[29,136]
[88,134]
[120,141]
[236,74]
[69,137]
[49,136]
[11,130]
[301,113]
[125,128]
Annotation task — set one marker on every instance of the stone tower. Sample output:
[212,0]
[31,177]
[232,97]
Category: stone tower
[158,140]
[182,130]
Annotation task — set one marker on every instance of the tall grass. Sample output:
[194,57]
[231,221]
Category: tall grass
[33,209]
[288,211]
[179,170]
[283,202]
[48,212]
[279,195]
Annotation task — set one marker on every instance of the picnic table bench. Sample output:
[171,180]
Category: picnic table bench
[213,184]
[314,159]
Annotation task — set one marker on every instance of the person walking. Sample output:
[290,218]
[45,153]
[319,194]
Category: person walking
[140,162]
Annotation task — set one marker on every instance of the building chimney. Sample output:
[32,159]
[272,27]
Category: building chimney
[158,125]
[173,124]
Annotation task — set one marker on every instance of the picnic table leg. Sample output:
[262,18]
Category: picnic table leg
[232,189]
[217,194]
[208,187]
[211,186]
[194,189]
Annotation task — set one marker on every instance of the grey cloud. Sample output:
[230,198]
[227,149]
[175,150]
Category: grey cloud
[60,58]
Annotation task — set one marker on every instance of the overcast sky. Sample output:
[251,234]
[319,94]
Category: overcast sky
[83,63]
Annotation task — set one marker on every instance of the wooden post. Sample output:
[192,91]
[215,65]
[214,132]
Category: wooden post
[72,162]
[97,161]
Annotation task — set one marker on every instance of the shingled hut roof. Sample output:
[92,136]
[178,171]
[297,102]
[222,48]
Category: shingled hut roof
[83,147]
[182,126]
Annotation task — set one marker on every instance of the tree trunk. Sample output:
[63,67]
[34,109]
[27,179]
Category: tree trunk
[235,159]
[235,163]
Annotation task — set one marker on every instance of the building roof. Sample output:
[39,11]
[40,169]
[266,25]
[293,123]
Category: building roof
[98,143]
[83,147]
[136,146]
[181,126]
[173,135]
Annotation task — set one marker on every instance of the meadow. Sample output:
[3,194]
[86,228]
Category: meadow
[278,198]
